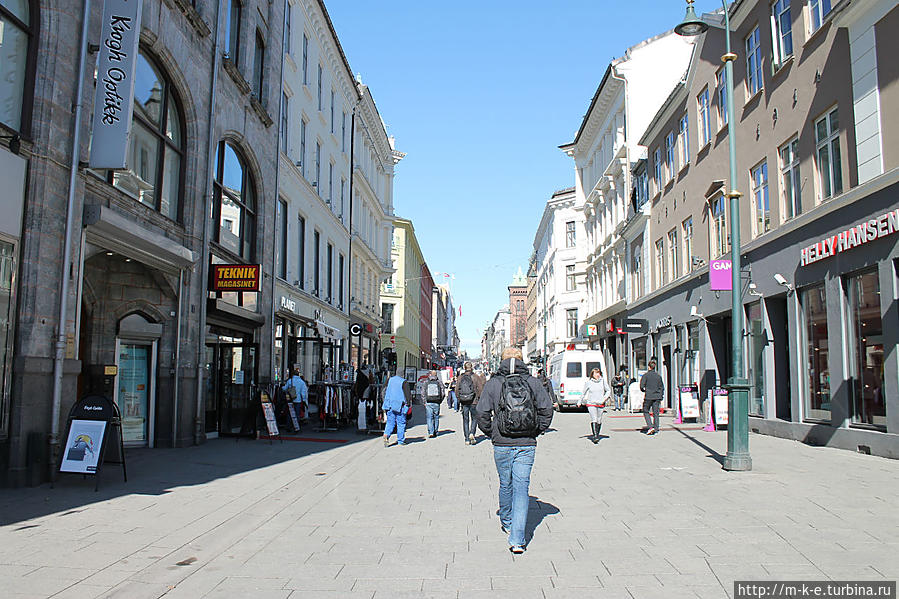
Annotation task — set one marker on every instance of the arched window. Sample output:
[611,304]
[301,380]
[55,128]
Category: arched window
[154,175]
[235,202]
[18,24]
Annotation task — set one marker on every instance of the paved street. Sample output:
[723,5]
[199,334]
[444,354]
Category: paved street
[635,516]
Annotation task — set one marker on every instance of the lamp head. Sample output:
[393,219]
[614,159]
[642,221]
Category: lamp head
[691,25]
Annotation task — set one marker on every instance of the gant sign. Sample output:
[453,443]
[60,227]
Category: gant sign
[862,233]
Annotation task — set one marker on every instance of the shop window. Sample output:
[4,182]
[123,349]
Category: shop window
[790,183]
[757,341]
[866,350]
[18,48]
[827,155]
[232,34]
[234,202]
[760,204]
[639,349]
[154,173]
[817,401]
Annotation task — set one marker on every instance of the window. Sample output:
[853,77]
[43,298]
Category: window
[284,122]
[721,93]
[660,263]
[303,147]
[387,317]
[641,190]
[817,403]
[866,350]
[570,281]
[574,369]
[232,34]
[330,182]
[317,261]
[760,205]
[720,238]
[343,132]
[301,251]
[687,232]
[342,195]
[17,53]
[234,202]
[818,9]
[330,268]
[673,254]
[570,235]
[8,275]
[571,322]
[340,262]
[319,89]
[705,125]
[790,183]
[753,62]
[332,112]
[669,156]
[657,165]
[258,65]
[757,341]
[827,156]
[781,31]
[318,167]
[640,357]
[281,240]
[683,142]
[305,59]
[154,172]
[637,269]
[287,45]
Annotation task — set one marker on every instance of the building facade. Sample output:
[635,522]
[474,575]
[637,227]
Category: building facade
[518,293]
[401,297]
[531,352]
[818,168]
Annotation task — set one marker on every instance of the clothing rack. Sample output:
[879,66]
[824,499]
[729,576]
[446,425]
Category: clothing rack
[334,404]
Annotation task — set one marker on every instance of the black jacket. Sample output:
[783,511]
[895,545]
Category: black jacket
[651,384]
[490,398]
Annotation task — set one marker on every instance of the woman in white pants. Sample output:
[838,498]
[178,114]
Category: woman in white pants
[596,394]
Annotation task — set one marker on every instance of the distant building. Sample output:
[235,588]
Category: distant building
[518,292]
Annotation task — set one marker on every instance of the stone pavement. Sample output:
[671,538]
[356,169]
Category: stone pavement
[633,517]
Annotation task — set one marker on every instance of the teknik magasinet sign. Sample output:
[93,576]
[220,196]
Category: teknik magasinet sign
[114,100]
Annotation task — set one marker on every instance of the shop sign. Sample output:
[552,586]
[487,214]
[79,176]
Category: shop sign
[114,97]
[234,277]
[860,234]
[288,304]
[663,323]
[635,325]
[720,278]
[591,330]
[326,330]
[355,329]
[388,339]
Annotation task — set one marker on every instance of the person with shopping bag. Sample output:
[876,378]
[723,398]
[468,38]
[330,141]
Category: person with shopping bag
[298,393]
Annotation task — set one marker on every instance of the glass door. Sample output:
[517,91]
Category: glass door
[134,390]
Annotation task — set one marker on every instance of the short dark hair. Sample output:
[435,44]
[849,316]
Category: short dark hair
[652,363]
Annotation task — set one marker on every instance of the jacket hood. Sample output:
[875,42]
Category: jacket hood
[520,367]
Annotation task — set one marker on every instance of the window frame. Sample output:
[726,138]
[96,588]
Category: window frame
[570,234]
[301,250]
[720,235]
[570,278]
[234,37]
[854,334]
[317,259]
[31,30]
[818,14]
[281,239]
[247,183]
[285,122]
[683,141]
[330,270]
[830,140]
[259,65]
[670,167]
[661,276]
[808,387]
[705,123]
[305,64]
[657,169]
[673,254]
[791,207]
[758,185]
[721,92]
[752,44]
[319,87]
[687,237]
[779,54]
[571,323]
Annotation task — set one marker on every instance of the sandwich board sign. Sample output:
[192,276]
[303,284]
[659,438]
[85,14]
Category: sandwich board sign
[93,423]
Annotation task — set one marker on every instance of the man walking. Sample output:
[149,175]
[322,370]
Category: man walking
[513,409]
[619,381]
[654,390]
[397,401]
[432,393]
[468,389]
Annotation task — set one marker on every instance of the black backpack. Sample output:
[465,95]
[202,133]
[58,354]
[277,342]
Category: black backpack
[517,410]
[465,390]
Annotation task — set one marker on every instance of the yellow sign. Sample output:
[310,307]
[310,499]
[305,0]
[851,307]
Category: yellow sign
[110,370]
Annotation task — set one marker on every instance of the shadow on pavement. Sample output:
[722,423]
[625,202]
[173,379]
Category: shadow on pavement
[712,453]
[537,511]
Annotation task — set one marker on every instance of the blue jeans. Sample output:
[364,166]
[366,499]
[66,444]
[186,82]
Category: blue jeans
[433,417]
[513,464]
[397,419]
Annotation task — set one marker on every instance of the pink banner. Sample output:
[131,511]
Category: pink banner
[720,275]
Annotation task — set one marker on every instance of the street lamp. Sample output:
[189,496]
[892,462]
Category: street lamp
[737,457]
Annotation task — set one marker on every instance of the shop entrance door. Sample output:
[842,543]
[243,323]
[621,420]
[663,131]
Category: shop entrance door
[667,373]
[135,392]
[230,376]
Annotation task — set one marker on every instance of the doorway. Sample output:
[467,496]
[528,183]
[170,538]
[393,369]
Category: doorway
[667,373]
[135,390]
[230,377]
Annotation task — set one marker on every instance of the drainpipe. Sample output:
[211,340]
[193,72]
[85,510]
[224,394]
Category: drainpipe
[177,383]
[59,360]
[204,251]
[349,275]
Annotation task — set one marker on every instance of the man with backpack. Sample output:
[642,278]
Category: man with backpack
[468,389]
[432,394]
[512,410]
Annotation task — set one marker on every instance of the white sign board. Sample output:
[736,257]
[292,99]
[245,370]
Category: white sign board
[689,402]
[719,400]
[82,450]
[114,99]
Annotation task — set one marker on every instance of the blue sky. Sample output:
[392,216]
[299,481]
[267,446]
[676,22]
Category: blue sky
[480,95]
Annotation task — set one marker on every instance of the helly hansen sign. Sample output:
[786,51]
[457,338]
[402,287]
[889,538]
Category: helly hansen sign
[860,234]
[234,277]
[114,98]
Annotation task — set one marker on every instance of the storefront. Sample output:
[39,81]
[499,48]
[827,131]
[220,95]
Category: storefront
[363,344]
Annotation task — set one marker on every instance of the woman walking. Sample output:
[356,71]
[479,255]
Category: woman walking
[596,394]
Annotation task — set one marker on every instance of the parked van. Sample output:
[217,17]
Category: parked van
[569,371]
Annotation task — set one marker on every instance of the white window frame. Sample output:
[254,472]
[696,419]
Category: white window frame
[761,201]
[673,254]
[780,14]
[754,60]
[830,141]
[719,235]
[721,92]
[657,169]
[670,168]
[687,236]
[683,142]
[570,278]
[817,13]
[570,234]
[705,125]
[660,263]
[791,201]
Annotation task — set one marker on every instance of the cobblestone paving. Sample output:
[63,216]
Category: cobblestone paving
[631,517]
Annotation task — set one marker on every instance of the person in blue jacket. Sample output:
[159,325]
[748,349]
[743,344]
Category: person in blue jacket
[397,401]
[302,396]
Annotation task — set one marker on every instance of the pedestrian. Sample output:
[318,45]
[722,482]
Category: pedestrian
[468,389]
[513,410]
[397,405]
[298,392]
[547,383]
[619,382]
[654,390]
[596,394]
[432,394]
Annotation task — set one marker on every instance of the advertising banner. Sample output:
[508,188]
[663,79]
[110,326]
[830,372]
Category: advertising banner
[719,405]
[271,423]
[234,277]
[114,98]
[81,453]
[689,401]
[720,275]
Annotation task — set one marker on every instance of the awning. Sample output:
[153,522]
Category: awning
[327,331]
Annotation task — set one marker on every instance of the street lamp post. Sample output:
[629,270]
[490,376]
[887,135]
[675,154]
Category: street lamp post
[737,457]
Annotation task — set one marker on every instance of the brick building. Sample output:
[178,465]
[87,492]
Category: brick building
[518,295]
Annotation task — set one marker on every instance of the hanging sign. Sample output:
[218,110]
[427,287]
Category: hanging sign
[635,325]
[869,230]
[234,277]
[114,98]
[591,330]
[720,275]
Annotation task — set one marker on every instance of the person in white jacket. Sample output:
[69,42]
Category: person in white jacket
[596,394]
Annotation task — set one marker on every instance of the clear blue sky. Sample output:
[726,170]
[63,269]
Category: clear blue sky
[480,95]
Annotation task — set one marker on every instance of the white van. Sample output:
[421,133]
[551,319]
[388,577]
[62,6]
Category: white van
[569,371]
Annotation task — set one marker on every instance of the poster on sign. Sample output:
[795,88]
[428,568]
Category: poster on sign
[719,405]
[271,422]
[292,411]
[689,401]
[82,451]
